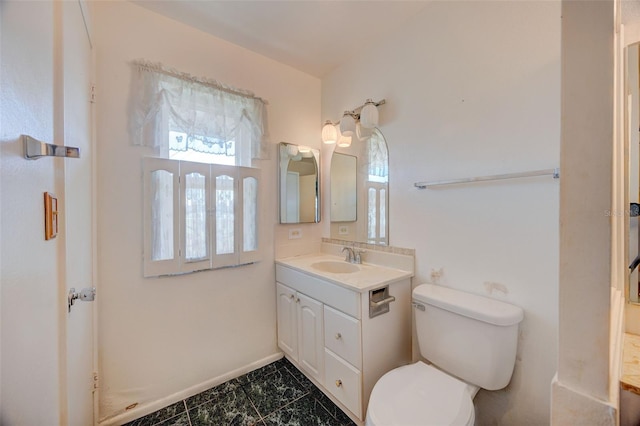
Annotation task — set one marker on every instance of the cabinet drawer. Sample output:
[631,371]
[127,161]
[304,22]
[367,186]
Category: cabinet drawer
[343,381]
[342,336]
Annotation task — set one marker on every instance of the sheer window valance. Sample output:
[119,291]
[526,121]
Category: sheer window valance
[213,116]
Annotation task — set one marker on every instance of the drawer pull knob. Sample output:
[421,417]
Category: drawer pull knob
[339,383]
[338,336]
[291,296]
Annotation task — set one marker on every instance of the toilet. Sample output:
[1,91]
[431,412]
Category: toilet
[470,342]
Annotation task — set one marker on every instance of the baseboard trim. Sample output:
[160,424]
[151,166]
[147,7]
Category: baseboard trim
[150,407]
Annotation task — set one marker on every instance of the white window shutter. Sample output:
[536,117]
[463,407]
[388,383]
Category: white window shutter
[224,227]
[161,216]
[195,206]
[249,184]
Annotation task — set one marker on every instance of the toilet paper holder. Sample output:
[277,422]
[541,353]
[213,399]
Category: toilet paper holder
[379,300]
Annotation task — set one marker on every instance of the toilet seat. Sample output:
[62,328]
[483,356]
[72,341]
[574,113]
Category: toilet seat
[420,395]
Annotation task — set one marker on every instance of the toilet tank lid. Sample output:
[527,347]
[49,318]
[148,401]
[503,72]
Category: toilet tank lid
[470,305]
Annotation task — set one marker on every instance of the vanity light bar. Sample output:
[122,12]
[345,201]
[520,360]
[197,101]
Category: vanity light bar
[355,113]
[366,113]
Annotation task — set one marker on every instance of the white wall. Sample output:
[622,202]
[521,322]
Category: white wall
[159,337]
[473,88]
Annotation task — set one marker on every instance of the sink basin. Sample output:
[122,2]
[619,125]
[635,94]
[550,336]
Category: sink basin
[335,267]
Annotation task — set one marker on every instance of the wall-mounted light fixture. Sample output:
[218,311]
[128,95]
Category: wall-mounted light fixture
[363,116]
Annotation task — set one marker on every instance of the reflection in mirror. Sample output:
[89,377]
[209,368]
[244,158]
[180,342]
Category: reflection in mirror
[299,184]
[343,188]
[371,222]
[633,138]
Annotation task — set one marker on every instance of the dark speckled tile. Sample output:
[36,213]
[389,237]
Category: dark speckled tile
[283,363]
[306,411]
[212,393]
[231,408]
[276,390]
[159,416]
[332,408]
[279,391]
[181,420]
[301,378]
[258,374]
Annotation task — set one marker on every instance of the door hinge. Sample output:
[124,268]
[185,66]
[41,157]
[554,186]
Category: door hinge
[95,380]
[92,94]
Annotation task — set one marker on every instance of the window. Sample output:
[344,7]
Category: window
[198,216]
[201,196]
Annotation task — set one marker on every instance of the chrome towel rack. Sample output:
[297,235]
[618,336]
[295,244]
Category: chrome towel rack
[34,149]
[547,172]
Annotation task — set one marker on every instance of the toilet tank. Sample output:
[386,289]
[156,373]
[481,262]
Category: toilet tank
[468,336]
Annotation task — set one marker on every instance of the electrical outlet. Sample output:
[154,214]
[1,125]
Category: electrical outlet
[295,233]
[343,230]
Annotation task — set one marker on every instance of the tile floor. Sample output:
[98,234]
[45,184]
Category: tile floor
[276,394]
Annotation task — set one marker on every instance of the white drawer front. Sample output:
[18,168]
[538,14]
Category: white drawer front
[342,336]
[343,381]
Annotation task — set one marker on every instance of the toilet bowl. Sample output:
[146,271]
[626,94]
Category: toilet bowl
[471,343]
[420,395]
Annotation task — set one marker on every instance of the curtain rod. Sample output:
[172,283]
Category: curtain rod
[159,68]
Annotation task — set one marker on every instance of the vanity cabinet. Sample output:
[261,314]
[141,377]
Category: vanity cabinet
[300,329]
[326,332]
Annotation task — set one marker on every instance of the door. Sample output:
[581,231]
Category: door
[310,336]
[77,209]
[287,324]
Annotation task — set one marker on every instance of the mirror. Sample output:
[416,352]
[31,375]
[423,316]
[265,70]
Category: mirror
[633,139]
[299,184]
[360,210]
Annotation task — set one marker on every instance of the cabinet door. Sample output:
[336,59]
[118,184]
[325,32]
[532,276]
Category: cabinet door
[287,323]
[310,336]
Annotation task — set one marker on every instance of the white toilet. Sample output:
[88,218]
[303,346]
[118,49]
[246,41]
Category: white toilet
[471,342]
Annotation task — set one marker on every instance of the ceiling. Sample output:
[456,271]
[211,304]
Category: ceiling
[630,11]
[311,36]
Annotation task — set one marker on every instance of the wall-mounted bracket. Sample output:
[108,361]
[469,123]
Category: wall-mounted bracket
[34,149]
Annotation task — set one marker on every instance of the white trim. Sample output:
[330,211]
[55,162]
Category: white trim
[150,407]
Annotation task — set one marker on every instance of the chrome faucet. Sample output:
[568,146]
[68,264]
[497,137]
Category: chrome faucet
[350,255]
[353,255]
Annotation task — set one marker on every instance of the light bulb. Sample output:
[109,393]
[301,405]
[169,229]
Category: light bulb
[347,124]
[369,115]
[362,132]
[344,142]
[329,133]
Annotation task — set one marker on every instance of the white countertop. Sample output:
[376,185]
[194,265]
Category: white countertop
[369,276]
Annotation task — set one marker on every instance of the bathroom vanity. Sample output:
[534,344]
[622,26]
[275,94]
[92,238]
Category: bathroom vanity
[344,325]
